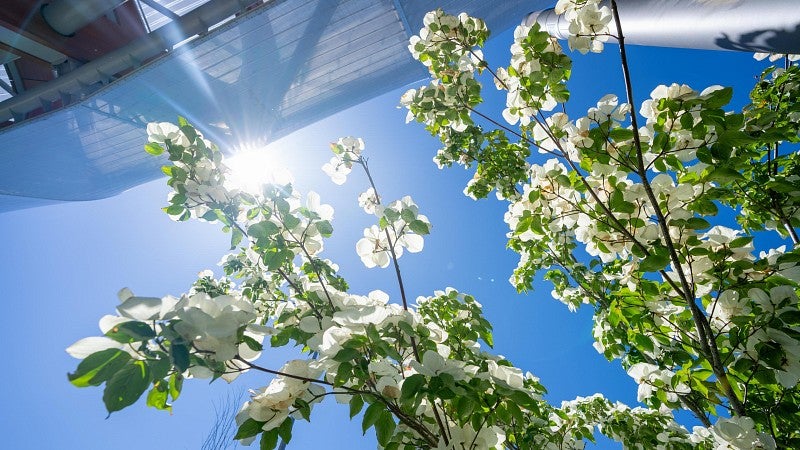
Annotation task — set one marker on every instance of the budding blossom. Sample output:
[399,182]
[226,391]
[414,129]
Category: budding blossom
[435,102]
[608,108]
[686,142]
[433,365]
[448,46]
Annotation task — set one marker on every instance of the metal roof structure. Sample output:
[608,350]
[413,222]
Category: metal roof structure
[263,70]
[84,77]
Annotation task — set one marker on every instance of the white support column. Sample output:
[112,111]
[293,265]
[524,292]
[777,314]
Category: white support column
[743,25]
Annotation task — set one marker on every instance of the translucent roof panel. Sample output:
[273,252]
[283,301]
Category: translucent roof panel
[5,82]
[155,20]
[259,77]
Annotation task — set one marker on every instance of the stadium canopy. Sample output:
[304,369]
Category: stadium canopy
[80,79]
[83,81]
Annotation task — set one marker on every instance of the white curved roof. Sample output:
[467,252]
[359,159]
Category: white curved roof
[254,79]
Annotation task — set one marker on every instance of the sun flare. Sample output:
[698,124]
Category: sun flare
[251,167]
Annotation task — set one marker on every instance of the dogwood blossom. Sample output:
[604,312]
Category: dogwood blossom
[347,150]
[272,404]
[368,200]
[588,24]
[738,433]
[374,248]
[213,324]
[161,132]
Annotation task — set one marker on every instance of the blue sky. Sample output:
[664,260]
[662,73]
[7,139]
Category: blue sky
[64,264]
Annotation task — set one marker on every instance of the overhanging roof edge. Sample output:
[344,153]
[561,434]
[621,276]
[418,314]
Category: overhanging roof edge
[149,46]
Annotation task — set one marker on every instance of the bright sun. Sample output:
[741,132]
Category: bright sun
[251,167]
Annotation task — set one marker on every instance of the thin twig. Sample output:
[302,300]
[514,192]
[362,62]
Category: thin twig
[703,328]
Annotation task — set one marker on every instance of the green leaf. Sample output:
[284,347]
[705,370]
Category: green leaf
[620,134]
[419,227]
[175,385]
[741,241]
[189,131]
[719,98]
[524,400]
[154,149]
[725,175]
[236,238]
[126,386]
[356,403]
[371,415]
[697,223]
[488,338]
[157,398]
[618,203]
[269,439]
[174,210]
[248,428]
[139,331]
[324,227]
[643,342]
[464,407]
[275,259]
[285,430]
[735,138]
[412,385]
[654,262]
[346,354]
[262,229]
[159,367]
[179,355]
[705,207]
[384,428]
[98,367]
[252,344]
[210,215]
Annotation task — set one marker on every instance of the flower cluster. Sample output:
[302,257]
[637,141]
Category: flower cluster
[760,56]
[534,56]
[620,218]
[196,178]
[212,324]
[401,227]
[447,42]
[588,24]
[272,405]
[347,150]
[369,201]
[738,433]
[448,46]
[651,379]
[627,217]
